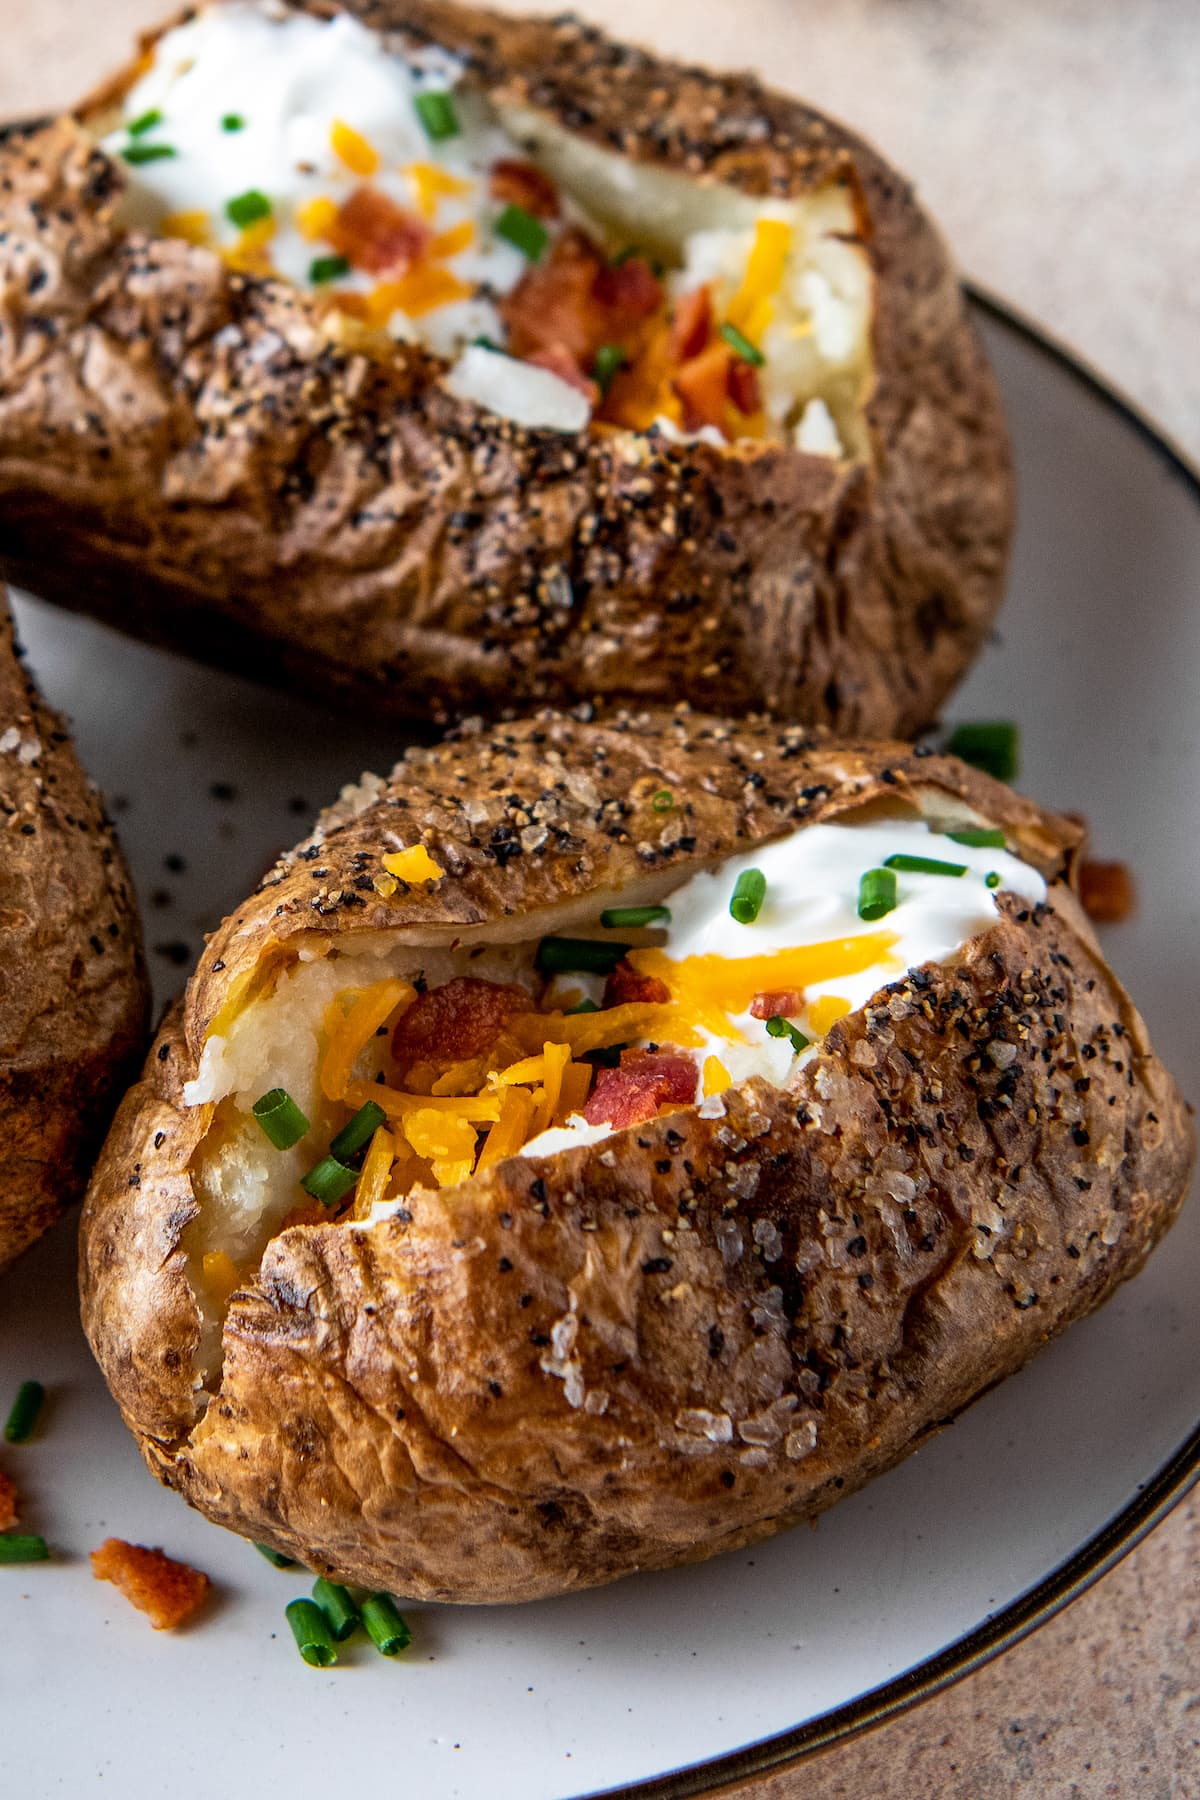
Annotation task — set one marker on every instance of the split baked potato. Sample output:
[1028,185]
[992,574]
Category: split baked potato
[454,362]
[73,994]
[603,1144]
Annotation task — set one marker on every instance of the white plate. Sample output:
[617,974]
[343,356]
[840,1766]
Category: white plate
[747,1658]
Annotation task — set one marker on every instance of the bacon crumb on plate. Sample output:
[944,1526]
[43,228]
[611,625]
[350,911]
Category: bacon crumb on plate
[168,1592]
[8,1501]
[1107,892]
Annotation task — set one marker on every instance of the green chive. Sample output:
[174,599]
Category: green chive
[566,956]
[436,113]
[327,268]
[486,343]
[609,358]
[663,801]
[991,745]
[876,894]
[341,1614]
[310,1628]
[581,1006]
[232,122]
[634,917]
[275,1557]
[24,1414]
[609,1058]
[742,345]
[778,1027]
[985,838]
[280,1117]
[146,122]
[23,1547]
[991,880]
[519,227]
[923,865]
[147,153]
[248,208]
[329,1181]
[386,1628]
[637,250]
[358,1132]
[749,892]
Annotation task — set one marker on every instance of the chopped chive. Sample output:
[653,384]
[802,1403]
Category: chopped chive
[232,122]
[581,1006]
[742,345]
[663,801]
[23,1547]
[992,879]
[329,1181]
[483,342]
[609,358]
[145,122]
[634,917]
[986,837]
[519,227]
[778,1027]
[436,113]
[630,251]
[280,1117]
[327,268]
[310,1628]
[749,892]
[341,1614]
[385,1627]
[275,1557]
[248,208]
[25,1409]
[358,1132]
[923,865]
[565,956]
[876,894]
[990,744]
[147,153]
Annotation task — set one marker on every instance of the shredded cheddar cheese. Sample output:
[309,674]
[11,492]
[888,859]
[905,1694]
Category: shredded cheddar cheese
[220,1274]
[373,1007]
[430,184]
[824,1013]
[453,242]
[192,227]
[316,218]
[377,1166]
[715,1076]
[764,272]
[413,865]
[350,147]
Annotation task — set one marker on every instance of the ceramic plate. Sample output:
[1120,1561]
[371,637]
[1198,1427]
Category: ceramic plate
[677,1680]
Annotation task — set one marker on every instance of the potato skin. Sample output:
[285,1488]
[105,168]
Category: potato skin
[700,1330]
[74,1003]
[337,522]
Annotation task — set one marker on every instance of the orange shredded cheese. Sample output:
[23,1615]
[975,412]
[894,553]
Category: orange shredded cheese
[430,184]
[316,218]
[373,1008]
[824,1013]
[420,290]
[764,272]
[453,242]
[715,1076]
[413,865]
[220,1274]
[576,1081]
[250,256]
[445,1140]
[479,1108]
[707,989]
[511,1129]
[359,156]
[377,1166]
[545,1098]
[192,227]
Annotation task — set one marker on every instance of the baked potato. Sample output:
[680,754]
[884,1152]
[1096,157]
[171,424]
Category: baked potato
[453,363]
[73,994]
[603,1144]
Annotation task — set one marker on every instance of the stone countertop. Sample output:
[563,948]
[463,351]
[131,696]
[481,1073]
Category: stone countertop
[1060,149]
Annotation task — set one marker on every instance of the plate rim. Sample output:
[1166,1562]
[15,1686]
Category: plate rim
[1154,1499]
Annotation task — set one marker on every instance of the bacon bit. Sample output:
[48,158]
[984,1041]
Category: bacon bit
[633,1093]
[168,1592]
[744,389]
[692,325]
[375,234]
[786,1003]
[560,362]
[626,984]
[516,183]
[703,386]
[461,1018]
[8,1501]
[1107,892]
[575,301]
[629,292]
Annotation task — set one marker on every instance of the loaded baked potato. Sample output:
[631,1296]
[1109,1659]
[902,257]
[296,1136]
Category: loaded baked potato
[461,362]
[603,1144]
[73,996]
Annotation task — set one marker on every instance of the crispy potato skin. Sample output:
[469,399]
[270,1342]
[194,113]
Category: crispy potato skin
[335,521]
[697,1332]
[73,994]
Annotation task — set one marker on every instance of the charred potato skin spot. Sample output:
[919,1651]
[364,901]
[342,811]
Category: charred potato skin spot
[227,440]
[73,995]
[700,1330]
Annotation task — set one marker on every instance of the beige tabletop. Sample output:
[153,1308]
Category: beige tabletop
[1060,147]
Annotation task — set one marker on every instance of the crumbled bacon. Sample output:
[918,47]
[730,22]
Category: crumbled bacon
[626,985]
[628,293]
[168,1592]
[691,327]
[703,386]
[375,234]
[744,390]
[461,1018]
[8,1501]
[645,1080]
[516,183]
[560,362]
[1107,892]
[781,1003]
[574,302]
